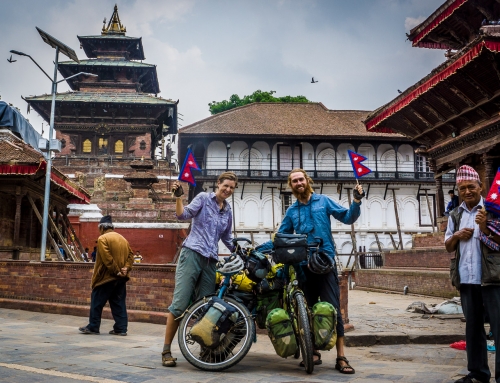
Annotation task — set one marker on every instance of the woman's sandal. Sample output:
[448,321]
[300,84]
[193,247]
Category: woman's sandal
[167,360]
[317,362]
[342,369]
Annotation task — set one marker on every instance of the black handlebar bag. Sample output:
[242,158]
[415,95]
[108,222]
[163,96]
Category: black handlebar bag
[290,248]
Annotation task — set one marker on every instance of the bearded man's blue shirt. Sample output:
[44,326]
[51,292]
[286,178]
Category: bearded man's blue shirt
[313,219]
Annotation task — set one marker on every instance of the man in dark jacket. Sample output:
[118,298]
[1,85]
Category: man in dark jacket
[453,202]
[475,273]
[112,266]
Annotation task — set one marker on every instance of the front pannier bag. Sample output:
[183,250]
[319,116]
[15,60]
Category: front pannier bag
[279,329]
[213,326]
[290,248]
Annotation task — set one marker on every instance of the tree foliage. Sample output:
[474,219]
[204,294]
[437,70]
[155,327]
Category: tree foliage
[257,96]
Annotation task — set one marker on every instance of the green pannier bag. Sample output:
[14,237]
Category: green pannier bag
[265,304]
[279,329]
[324,326]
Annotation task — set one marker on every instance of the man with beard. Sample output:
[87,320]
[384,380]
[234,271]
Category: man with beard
[310,215]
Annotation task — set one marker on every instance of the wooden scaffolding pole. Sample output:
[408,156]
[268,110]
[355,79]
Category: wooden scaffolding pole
[49,236]
[431,216]
[397,219]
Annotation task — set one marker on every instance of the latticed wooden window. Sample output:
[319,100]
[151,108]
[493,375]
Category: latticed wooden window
[119,146]
[87,146]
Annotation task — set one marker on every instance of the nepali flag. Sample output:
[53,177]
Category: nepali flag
[359,169]
[493,199]
[186,173]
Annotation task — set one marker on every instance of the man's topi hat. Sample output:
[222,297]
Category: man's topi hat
[106,219]
[467,173]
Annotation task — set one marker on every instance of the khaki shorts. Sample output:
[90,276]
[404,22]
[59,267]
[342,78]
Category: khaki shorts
[194,279]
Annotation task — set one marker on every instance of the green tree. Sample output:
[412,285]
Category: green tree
[257,96]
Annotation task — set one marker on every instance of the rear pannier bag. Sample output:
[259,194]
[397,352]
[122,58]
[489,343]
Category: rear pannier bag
[324,326]
[213,326]
[290,248]
[265,304]
[280,331]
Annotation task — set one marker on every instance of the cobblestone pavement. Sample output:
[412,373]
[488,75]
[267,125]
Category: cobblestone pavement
[385,315]
[37,347]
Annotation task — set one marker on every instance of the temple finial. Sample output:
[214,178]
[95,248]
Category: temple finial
[115,27]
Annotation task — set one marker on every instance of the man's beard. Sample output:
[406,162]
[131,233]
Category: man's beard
[304,195]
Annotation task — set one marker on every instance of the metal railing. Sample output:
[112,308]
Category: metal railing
[370,260]
[330,175]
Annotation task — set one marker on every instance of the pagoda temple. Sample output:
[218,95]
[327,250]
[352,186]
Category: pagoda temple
[110,124]
[117,113]
[454,111]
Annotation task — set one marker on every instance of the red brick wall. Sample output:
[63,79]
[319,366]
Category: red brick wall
[434,283]
[63,287]
[157,246]
[150,287]
[428,240]
[432,258]
[153,248]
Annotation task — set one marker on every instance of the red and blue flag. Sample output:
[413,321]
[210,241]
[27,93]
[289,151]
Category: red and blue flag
[186,172]
[359,169]
[492,201]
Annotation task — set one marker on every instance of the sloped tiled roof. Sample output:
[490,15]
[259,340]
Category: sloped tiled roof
[129,98]
[284,119]
[18,152]
[107,63]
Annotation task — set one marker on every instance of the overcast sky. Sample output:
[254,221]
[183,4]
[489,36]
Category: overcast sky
[207,50]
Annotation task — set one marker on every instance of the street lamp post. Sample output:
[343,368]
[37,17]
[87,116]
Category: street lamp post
[67,51]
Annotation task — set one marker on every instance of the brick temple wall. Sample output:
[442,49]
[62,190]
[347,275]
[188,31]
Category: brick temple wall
[424,282]
[418,258]
[64,288]
[428,240]
[157,245]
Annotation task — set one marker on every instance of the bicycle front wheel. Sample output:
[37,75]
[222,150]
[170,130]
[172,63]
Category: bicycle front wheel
[232,348]
[304,330]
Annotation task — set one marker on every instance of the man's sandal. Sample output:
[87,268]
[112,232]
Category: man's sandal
[344,369]
[317,362]
[167,360]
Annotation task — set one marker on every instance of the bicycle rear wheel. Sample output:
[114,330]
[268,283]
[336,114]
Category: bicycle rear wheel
[305,336]
[232,348]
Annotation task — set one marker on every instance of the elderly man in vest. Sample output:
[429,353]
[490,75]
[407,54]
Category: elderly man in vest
[475,272]
[111,272]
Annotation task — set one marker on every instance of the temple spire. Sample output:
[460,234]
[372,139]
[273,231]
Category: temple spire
[115,27]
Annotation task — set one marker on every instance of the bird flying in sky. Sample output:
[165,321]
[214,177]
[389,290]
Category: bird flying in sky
[10,60]
[313,81]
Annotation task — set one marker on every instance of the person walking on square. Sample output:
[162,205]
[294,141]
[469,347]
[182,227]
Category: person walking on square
[195,273]
[137,257]
[453,202]
[475,273]
[111,272]
[310,215]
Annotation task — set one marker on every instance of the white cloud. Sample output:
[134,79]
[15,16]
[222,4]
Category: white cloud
[145,15]
[412,22]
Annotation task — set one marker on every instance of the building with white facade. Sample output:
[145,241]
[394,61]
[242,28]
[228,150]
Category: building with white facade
[262,142]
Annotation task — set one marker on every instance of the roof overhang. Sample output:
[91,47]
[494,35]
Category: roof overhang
[148,76]
[420,32]
[133,45]
[57,178]
[458,95]
[454,24]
